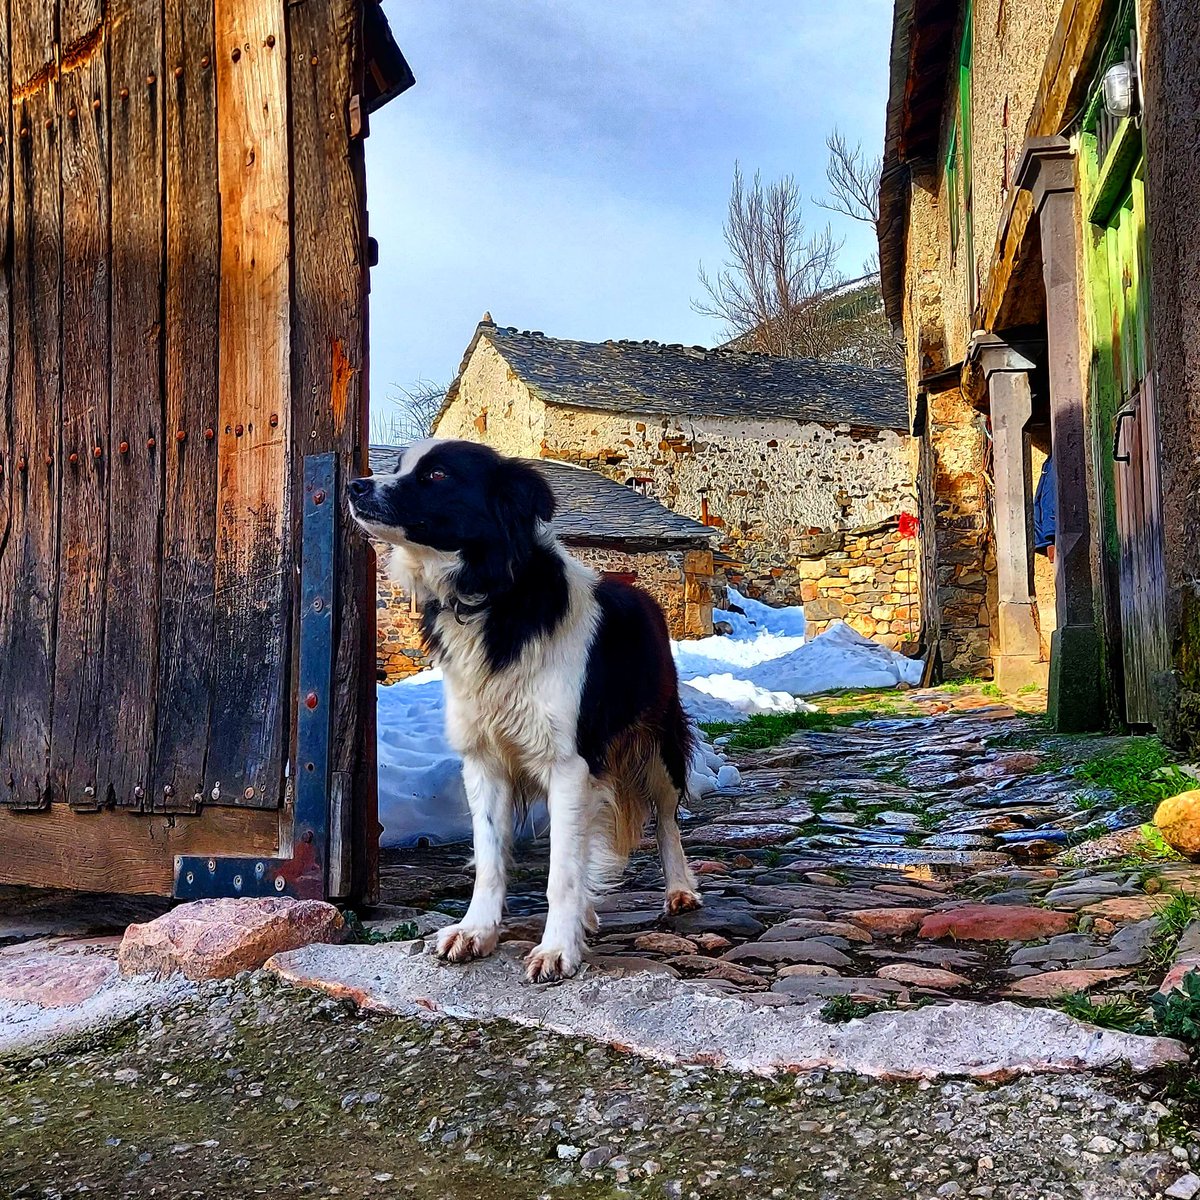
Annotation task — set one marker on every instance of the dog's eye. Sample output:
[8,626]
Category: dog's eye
[437,475]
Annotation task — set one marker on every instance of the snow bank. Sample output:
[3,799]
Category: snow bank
[762,667]
[421,795]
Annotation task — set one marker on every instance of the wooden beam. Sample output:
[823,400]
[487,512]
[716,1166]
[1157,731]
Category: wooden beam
[117,850]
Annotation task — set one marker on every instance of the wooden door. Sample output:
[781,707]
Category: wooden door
[1136,452]
[182,354]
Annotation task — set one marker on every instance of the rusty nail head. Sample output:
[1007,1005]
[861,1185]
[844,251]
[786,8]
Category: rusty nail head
[21,463]
[24,131]
[151,80]
[178,72]
[96,104]
[124,447]
[49,122]
[149,443]
[180,436]
[310,701]
[124,93]
[204,61]
[209,434]
[239,430]
[274,420]
[318,497]
[49,460]
[270,39]
[74,457]
[97,452]
[236,53]
[249,793]
[71,112]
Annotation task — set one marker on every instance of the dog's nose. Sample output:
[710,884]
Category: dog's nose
[358,488]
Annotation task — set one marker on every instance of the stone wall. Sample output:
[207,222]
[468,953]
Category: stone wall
[682,581]
[783,493]
[1171,69]
[958,570]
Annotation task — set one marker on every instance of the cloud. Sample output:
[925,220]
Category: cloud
[566,164]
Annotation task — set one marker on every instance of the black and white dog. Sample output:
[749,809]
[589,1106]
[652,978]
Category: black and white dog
[557,683]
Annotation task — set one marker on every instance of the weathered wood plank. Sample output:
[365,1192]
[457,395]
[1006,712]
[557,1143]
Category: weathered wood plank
[84,449]
[119,851]
[8,456]
[185,675]
[329,352]
[131,617]
[254,558]
[28,582]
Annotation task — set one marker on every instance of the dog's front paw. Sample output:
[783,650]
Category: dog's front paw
[681,902]
[547,963]
[461,943]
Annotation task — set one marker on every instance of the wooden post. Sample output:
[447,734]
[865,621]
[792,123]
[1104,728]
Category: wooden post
[1047,171]
[1011,405]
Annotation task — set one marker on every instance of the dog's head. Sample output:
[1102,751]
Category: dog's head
[459,506]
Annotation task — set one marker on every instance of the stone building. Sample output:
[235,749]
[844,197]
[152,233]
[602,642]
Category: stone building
[805,469]
[1040,249]
[612,528]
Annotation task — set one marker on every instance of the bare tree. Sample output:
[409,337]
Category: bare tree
[767,292]
[853,181]
[410,414]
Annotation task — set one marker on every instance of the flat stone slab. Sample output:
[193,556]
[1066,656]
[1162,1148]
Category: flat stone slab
[672,1021]
[53,992]
[995,923]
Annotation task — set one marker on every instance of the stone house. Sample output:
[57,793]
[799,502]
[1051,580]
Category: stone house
[804,469]
[1040,249]
[612,528]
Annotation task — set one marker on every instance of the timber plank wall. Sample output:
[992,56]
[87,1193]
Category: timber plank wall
[182,319]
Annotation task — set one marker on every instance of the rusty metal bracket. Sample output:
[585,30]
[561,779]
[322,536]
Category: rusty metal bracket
[305,873]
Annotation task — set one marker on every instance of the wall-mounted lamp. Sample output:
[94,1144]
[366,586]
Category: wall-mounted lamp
[1120,90]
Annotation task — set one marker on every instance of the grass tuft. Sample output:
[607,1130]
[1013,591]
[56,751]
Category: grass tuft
[406,931]
[1140,772]
[1177,1014]
[769,729]
[1109,1012]
[1175,915]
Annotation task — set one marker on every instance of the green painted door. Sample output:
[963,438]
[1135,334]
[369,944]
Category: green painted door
[1136,451]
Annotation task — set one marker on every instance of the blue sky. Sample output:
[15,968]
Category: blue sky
[566,164]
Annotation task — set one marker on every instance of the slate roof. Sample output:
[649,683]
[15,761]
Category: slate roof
[595,510]
[673,380]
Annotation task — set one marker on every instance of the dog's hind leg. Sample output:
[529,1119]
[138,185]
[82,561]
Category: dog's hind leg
[490,796]
[682,893]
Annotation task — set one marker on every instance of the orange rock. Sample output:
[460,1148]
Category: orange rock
[215,939]
[1055,983]
[708,866]
[806,969]
[924,977]
[664,943]
[995,923]
[888,922]
[711,943]
[1125,908]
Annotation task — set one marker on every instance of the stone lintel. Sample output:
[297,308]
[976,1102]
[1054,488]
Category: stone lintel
[994,355]
[1046,167]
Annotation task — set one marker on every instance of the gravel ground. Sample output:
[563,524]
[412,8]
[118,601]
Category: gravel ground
[255,1089]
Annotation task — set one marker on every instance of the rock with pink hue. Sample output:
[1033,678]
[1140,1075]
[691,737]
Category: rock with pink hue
[664,943]
[1125,908]
[805,969]
[888,922]
[995,923]
[1187,958]
[709,866]
[923,977]
[1049,984]
[711,943]
[215,939]
[716,968]
[53,975]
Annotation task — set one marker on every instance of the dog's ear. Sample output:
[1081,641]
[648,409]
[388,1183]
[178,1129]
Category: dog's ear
[520,498]
[524,491]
